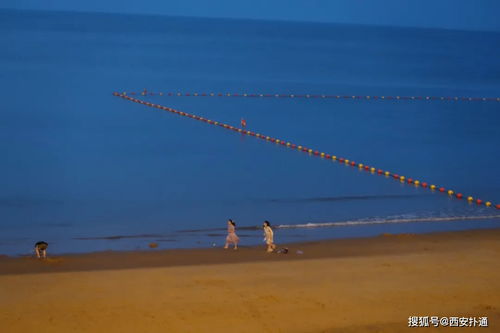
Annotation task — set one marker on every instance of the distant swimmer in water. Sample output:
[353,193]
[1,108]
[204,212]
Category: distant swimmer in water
[269,236]
[231,235]
[243,123]
[41,249]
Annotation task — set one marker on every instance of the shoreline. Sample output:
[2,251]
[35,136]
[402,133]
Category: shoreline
[384,244]
[349,286]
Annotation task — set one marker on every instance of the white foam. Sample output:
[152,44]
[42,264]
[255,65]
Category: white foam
[388,220]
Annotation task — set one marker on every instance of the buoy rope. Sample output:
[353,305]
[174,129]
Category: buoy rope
[348,97]
[361,166]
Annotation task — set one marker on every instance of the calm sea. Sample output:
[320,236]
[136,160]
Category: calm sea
[86,171]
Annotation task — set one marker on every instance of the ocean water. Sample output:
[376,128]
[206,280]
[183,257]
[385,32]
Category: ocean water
[87,171]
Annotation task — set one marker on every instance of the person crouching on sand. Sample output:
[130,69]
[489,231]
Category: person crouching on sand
[41,249]
[231,235]
[269,236]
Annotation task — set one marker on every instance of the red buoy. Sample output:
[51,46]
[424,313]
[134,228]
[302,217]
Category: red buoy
[459,195]
[327,156]
[367,167]
[380,172]
[409,180]
[441,189]
[353,163]
[424,184]
[395,176]
[341,159]
[497,206]
[479,201]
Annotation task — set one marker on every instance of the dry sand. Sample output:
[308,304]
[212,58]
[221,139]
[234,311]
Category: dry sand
[356,285]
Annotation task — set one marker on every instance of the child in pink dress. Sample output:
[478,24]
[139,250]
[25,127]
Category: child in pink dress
[231,235]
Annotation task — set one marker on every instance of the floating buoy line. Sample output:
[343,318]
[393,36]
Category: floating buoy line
[326,156]
[345,97]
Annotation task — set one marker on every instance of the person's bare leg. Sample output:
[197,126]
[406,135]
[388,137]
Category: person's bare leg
[44,254]
[236,245]
[226,246]
[37,251]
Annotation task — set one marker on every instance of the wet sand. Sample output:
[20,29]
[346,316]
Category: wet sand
[350,285]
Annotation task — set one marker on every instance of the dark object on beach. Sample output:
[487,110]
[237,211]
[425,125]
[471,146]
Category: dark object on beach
[41,249]
[283,250]
[153,245]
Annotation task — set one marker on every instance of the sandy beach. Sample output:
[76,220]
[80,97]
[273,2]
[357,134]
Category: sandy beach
[350,285]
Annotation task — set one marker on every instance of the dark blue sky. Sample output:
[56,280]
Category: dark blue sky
[450,14]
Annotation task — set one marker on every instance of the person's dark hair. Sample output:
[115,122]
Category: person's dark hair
[267,223]
[232,222]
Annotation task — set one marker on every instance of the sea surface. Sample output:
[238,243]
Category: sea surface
[87,171]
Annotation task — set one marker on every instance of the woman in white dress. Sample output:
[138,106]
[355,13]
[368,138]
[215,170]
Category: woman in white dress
[269,236]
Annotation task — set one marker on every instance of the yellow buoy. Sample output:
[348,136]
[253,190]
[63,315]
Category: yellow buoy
[487,204]
[322,154]
[288,144]
[402,178]
[372,169]
[360,165]
[416,182]
[346,161]
[299,147]
[433,187]
[470,198]
[450,192]
[334,157]
[387,173]
[310,151]
[267,138]
[278,141]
